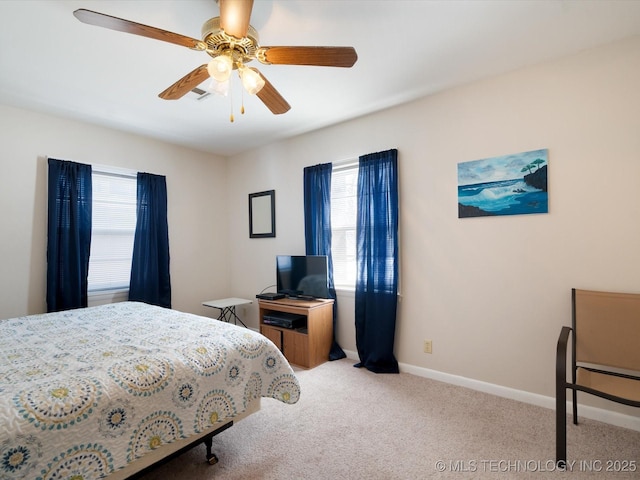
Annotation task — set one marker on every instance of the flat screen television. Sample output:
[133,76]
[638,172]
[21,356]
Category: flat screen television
[302,276]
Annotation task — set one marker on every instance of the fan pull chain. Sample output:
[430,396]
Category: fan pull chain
[242,101]
[231,119]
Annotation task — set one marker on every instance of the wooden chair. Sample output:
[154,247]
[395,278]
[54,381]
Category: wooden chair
[605,355]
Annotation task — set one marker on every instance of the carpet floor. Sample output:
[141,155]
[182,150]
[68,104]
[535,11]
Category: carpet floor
[353,424]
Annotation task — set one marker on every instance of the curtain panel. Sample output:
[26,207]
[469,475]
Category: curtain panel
[377,261]
[317,231]
[68,234]
[150,280]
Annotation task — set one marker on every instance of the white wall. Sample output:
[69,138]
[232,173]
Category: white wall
[196,189]
[491,293]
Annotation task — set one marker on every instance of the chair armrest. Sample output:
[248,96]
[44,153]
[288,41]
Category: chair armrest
[561,355]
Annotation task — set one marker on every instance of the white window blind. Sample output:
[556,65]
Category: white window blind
[112,231]
[344,191]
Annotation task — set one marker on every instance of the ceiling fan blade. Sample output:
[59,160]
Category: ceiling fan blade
[317,56]
[271,97]
[186,84]
[114,23]
[235,16]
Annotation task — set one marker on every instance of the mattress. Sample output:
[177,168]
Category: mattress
[87,392]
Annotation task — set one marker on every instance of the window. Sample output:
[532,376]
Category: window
[113,229]
[344,201]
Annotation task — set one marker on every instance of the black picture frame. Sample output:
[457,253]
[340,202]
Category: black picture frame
[262,214]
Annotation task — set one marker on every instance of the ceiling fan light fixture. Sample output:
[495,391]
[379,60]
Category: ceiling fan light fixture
[219,88]
[251,80]
[220,68]
[231,41]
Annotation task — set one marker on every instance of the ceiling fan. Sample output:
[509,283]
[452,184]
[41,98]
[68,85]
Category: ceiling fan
[232,43]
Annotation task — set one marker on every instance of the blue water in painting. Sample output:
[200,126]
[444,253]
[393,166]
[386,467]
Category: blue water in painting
[505,197]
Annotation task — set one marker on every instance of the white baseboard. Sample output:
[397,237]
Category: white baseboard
[594,413]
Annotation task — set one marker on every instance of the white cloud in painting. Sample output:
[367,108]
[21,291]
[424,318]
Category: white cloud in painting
[506,167]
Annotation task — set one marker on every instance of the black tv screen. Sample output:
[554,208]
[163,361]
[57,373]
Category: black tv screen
[302,275]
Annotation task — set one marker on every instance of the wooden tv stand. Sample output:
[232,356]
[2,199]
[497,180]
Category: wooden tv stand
[304,348]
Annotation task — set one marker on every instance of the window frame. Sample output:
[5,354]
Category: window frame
[348,165]
[120,292]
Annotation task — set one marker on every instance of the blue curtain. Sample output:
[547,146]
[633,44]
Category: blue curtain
[150,281]
[317,230]
[68,234]
[377,261]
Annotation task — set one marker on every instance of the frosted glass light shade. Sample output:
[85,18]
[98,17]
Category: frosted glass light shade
[251,80]
[219,88]
[220,68]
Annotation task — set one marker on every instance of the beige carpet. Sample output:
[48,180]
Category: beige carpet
[353,424]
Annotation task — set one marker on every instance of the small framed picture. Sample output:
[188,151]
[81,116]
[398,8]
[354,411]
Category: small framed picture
[262,214]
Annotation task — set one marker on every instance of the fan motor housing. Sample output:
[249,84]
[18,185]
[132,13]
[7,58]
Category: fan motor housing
[218,41]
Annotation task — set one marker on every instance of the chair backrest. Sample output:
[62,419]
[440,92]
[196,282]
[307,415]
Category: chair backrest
[607,328]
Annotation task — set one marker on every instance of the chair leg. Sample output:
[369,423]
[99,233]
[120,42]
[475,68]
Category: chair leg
[575,406]
[561,425]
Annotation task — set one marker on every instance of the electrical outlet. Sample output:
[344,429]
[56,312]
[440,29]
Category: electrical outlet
[428,346]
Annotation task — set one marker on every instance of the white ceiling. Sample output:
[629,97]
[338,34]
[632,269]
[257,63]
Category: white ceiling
[51,62]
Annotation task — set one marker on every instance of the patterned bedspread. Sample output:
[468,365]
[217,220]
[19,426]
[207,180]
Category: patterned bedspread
[85,392]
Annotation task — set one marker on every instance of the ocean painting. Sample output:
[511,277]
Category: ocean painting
[509,185]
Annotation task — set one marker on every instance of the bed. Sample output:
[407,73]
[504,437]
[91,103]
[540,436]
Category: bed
[105,391]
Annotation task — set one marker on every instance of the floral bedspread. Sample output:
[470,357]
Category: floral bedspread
[85,392]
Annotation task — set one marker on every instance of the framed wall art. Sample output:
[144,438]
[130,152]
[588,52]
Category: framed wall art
[262,214]
[513,184]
